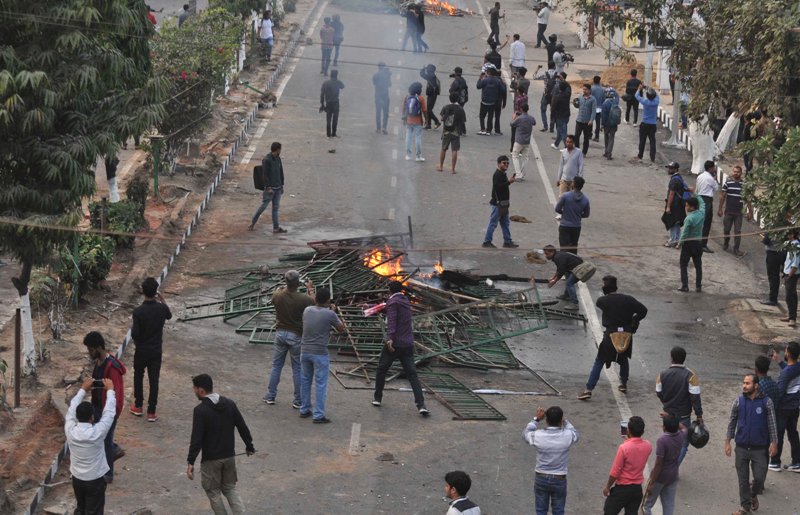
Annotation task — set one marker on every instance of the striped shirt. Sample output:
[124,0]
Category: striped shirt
[769,388]
[463,506]
[733,197]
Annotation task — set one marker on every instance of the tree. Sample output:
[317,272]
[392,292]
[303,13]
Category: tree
[75,81]
[241,8]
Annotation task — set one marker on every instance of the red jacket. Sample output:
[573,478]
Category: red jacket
[113,370]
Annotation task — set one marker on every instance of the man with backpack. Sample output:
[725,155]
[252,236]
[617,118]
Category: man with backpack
[621,316]
[675,210]
[413,112]
[432,91]
[610,117]
[453,120]
[272,181]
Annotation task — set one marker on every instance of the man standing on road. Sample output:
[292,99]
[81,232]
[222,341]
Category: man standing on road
[730,203]
[624,487]
[500,202]
[663,482]
[552,444]
[752,425]
[272,170]
[706,186]
[677,194]
[648,128]
[765,383]
[516,55]
[414,110]
[786,412]
[329,102]
[599,94]
[432,90]
[399,345]
[522,124]
[542,19]
[586,105]
[453,120]
[456,485]
[318,320]
[559,111]
[790,270]
[86,440]
[147,333]
[382,80]
[459,86]
[494,23]
[338,37]
[631,88]
[106,366]
[570,165]
[213,421]
[610,116]
[289,306]
[491,89]
[266,34]
[774,263]
[412,27]
[326,36]
[573,206]
[691,246]
[678,389]
[565,262]
[549,79]
[621,317]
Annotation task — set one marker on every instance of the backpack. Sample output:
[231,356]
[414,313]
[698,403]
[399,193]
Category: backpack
[614,116]
[258,178]
[413,106]
[685,193]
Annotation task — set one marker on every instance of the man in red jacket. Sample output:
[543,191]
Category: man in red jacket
[106,366]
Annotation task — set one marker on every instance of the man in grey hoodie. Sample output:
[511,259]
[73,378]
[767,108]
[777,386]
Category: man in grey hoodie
[573,206]
[586,105]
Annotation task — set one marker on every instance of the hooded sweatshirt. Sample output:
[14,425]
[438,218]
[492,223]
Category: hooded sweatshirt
[112,369]
[213,422]
[572,206]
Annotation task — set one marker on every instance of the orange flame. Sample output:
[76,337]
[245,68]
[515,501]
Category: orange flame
[380,262]
[438,267]
[437,7]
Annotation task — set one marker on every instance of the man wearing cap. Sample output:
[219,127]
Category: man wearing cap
[289,306]
[675,209]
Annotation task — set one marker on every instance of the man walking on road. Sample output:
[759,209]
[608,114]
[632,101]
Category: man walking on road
[516,55]
[399,346]
[765,383]
[790,270]
[329,102]
[318,320]
[621,317]
[432,90]
[414,110]
[565,263]
[648,128]
[752,425]
[624,487]
[552,444]
[338,37]
[599,94]
[774,259]
[788,407]
[86,440]
[559,111]
[494,23]
[500,202]
[459,86]
[663,482]
[706,186]
[493,90]
[147,333]
[573,206]
[106,366]
[610,116]
[675,210]
[213,422]
[266,34]
[731,209]
[326,36]
[272,171]
[382,80]
[570,165]
[691,246]
[522,124]
[542,19]
[289,305]
[549,79]
[586,105]
[678,389]
[453,121]
[631,88]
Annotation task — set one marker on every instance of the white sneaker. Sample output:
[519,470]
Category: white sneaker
[408,158]
[553,146]
[420,159]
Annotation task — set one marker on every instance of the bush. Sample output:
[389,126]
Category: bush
[125,216]
[95,255]
[137,192]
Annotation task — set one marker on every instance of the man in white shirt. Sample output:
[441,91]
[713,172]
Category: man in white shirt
[552,443]
[86,440]
[266,35]
[542,18]
[517,57]
[706,186]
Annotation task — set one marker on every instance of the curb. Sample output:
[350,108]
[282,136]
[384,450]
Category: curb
[38,497]
[666,120]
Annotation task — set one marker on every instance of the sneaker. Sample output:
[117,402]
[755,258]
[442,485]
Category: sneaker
[510,245]
[683,289]
[553,146]
[295,405]
[635,124]
[424,411]
[498,133]
[269,401]
[557,217]
[420,159]
[488,245]
[152,417]
[775,467]
[543,129]
[119,454]
[384,131]
[708,250]
[571,306]
[376,403]
[279,230]
[323,420]
[305,415]
[481,133]
[623,388]
[408,158]
[738,253]
[585,396]
[563,297]
[768,302]
[794,467]
[136,411]
[699,289]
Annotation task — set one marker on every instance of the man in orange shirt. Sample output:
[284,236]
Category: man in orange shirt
[414,110]
[624,487]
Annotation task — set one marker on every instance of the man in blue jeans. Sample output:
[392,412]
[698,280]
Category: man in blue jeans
[565,262]
[289,306]
[621,314]
[552,444]
[272,170]
[318,320]
[500,202]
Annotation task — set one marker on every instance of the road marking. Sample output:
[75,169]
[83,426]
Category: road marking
[246,158]
[394,177]
[395,130]
[355,436]
[260,132]
[394,154]
[391,213]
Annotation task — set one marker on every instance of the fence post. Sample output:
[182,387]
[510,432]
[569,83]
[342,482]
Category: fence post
[17,356]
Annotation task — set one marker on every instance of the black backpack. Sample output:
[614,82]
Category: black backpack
[258,178]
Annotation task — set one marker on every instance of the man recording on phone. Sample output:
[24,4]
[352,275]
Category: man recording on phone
[624,487]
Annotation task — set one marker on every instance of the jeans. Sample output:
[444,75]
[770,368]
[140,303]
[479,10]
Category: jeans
[421,44]
[709,201]
[569,287]
[687,422]
[267,47]
[494,218]
[758,460]
[691,250]
[150,360]
[540,35]
[336,53]
[406,357]
[110,448]
[285,342]
[269,195]
[734,221]
[790,285]
[544,103]
[331,118]
[431,114]
[597,117]
[414,136]
[786,420]
[487,110]
[561,130]
[90,496]
[218,478]
[520,150]
[594,375]
[411,34]
[608,140]
[632,104]
[550,491]
[674,233]
[627,497]
[315,366]
[381,112]
[498,108]
[667,495]
[584,129]
[568,238]
[647,131]
[326,59]
[494,33]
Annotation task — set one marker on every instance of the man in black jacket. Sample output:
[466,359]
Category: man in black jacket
[500,204]
[213,422]
[432,91]
[329,102]
[678,388]
[621,315]
[272,170]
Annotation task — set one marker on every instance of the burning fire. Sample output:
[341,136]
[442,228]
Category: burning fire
[437,7]
[438,267]
[380,261]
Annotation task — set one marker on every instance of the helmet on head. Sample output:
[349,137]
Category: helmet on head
[698,435]
[487,67]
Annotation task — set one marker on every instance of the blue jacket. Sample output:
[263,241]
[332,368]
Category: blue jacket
[572,206]
[493,89]
[599,94]
[608,103]
[650,108]
[586,107]
[788,387]
[752,427]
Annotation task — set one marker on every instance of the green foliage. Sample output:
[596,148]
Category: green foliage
[95,255]
[49,293]
[137,192]
[124,216]
[3,369]
[238,7]
[194,59]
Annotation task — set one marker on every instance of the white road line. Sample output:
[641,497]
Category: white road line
[395,130]
[391,213]
[542,172]
[394,154]
[394,177]
[355,436]
[246,158]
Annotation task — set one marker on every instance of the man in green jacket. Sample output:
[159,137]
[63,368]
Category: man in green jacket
[691,243]
[272,170]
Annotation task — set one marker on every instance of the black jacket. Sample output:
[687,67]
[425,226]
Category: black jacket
[272,169]
[147,330]
[619,310]
[560,104]
[212,430]
[499,187]
[329,93]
